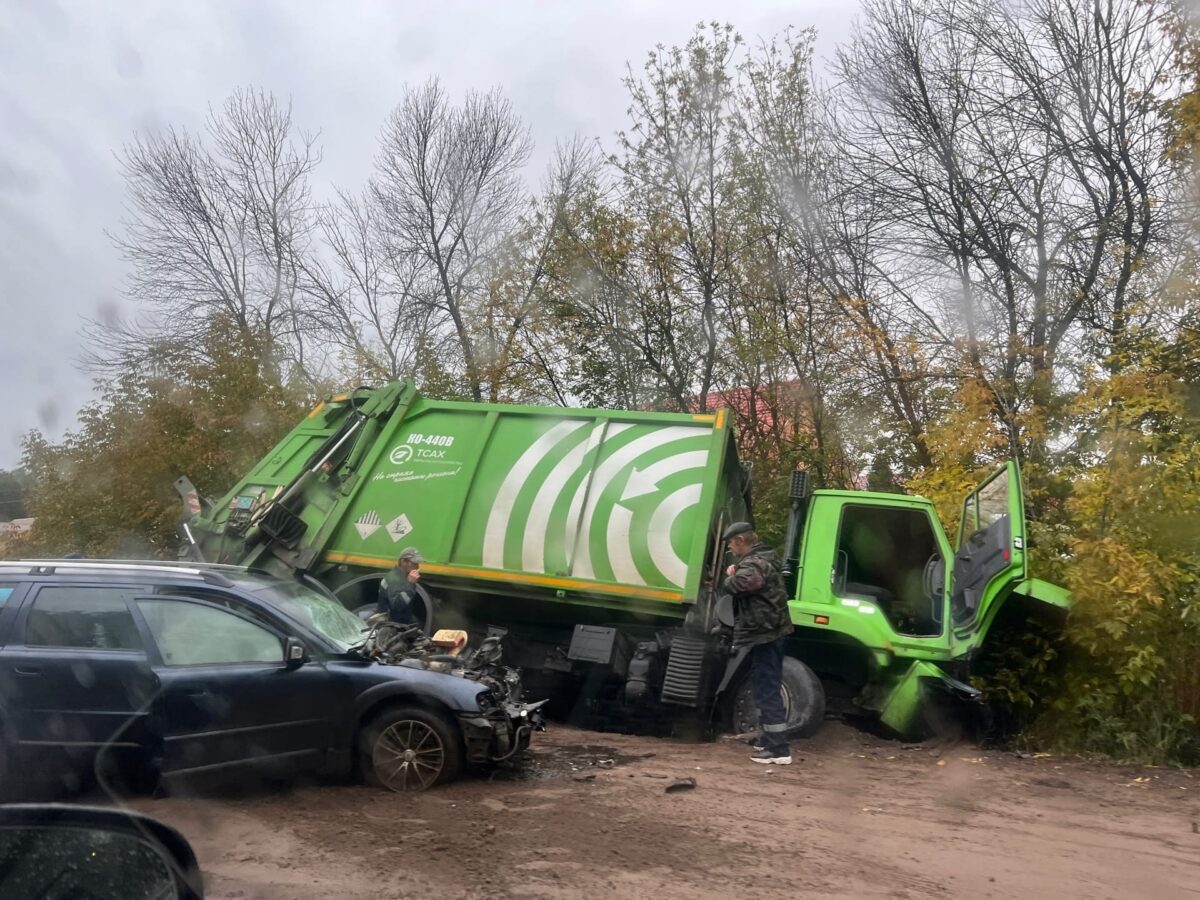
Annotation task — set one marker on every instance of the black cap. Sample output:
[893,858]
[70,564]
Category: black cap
[736,529]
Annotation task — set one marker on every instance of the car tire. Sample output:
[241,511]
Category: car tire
[804,701]
[407,748]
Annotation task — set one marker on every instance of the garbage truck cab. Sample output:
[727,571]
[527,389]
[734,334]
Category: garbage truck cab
[591,539]
[878,570]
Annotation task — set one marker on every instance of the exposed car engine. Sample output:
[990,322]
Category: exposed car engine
[394,644]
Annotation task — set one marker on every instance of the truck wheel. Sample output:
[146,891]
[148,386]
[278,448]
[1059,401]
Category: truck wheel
[409,749]
[803,701]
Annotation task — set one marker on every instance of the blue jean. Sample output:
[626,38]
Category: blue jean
[766,682]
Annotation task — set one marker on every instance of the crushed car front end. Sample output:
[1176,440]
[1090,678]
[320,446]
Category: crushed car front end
[500,731]
[500,726]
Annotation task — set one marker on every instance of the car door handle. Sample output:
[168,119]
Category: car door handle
[28,671]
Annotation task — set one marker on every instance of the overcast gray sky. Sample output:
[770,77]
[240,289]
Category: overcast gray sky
[78,78]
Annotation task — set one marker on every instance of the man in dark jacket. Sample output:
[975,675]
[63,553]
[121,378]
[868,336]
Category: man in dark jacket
[400,587]
[761,622]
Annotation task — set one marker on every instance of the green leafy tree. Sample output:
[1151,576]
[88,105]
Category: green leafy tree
[106,488]
[13,487]
[1133,686]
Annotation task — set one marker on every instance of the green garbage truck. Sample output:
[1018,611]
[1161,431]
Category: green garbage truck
[591,540]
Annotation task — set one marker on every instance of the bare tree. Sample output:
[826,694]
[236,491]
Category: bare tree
[449,183]
[364,300]
[677,164]
[645,270]
[1017,151]
[527,353]
[786,334]
[215,225]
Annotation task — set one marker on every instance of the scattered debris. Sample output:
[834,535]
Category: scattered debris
[680,784]
[655,775]
[587,776]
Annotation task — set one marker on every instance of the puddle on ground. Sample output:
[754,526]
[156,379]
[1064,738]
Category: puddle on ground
[560,762]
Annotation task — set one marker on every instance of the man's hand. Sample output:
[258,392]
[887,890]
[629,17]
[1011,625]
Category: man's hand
[414,576]
[730,571]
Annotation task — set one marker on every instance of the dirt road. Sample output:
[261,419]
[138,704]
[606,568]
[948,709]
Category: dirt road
[859,817]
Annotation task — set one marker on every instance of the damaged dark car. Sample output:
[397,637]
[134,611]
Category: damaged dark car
[162,671]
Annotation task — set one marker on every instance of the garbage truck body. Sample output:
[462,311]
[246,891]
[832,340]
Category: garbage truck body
[591,540]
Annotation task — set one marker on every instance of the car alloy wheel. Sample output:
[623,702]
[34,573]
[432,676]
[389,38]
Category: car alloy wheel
[408,755]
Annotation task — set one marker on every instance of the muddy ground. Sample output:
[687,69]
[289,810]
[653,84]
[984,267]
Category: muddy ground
[589,815]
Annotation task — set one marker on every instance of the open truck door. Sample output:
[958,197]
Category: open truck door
[990,552]
[989,577]
[988,564]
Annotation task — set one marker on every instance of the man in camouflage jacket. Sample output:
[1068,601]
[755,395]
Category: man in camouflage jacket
[761,622]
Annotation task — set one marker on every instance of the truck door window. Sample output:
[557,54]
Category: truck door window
[993,501]
[985,507]
[882,554]
[95,618]
[984,546]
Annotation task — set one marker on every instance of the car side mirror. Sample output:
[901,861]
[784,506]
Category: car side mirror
[60,850]
[295,654]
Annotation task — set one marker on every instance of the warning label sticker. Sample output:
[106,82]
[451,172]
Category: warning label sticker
[367,524]
[399,527]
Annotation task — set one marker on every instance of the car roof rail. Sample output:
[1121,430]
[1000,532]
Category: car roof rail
[212,573]
[100,561]
[50,566]
[161,563]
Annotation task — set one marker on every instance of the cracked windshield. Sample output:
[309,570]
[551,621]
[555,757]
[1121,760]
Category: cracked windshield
[674,450]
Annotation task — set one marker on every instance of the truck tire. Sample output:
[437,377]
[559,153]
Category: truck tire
[407,748]
[367,586]
[803,699]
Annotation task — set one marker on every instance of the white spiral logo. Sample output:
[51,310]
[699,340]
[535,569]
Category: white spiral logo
[614,494]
